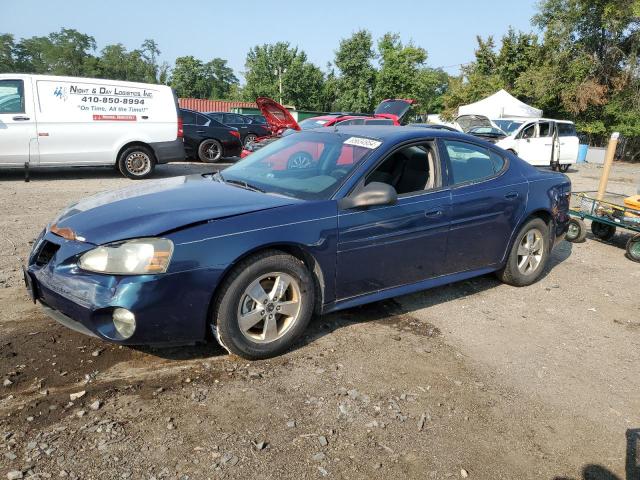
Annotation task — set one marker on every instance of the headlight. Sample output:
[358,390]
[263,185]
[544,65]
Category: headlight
[133,257]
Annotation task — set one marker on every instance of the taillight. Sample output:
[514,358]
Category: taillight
[235,133]
[180,127]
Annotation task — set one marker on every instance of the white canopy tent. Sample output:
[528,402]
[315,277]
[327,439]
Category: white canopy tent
[500,105]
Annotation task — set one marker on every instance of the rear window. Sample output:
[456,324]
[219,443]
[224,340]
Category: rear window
[312,123]
[471,163]
[188,118]
[566,130]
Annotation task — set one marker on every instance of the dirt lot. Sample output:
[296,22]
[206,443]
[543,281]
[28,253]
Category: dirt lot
[476,379]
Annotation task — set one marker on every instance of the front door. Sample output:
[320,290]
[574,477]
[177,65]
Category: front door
[535,143]
[487,202]
[18,133]
[392,245]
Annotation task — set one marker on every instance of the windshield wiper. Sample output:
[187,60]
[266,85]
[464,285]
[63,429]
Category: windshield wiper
[243,184]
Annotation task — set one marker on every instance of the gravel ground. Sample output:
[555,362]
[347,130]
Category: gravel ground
[472,380]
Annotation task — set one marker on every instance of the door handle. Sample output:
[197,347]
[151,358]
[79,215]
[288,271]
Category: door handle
[433,213]
[511,195]
[20,118]
[200,131]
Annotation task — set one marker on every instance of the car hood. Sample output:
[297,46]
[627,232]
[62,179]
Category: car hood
[158,207]
[467,122]
[276,115]
[394,108]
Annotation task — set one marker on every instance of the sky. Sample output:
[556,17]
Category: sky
[228,29]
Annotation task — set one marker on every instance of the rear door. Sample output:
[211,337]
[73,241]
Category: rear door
[18,132]
[487,202]
[569,142]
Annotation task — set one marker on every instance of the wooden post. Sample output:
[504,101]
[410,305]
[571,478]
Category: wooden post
[608,161]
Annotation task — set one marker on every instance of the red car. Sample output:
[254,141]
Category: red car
[391,111]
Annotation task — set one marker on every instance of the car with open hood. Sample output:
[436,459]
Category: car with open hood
[389,112]
[247,255]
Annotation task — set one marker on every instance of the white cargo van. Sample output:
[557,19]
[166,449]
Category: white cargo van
[48,121]
[542,142]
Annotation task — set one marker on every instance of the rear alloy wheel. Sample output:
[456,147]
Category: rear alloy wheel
[210,151]
[633,248]
[603,231]
[136,162]
[264,305]
[577,231]
[250,138]
[528,256]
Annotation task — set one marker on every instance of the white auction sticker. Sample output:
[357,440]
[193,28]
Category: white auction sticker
[363,142]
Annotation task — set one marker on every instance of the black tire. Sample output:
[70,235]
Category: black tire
[577,231]
[232,292]
[210,151]
[510,273]
[251,137]
[136,162]
[603,231]
[633,248]
[563,167]
[555,167]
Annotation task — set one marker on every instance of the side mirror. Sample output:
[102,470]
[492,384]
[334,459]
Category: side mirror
[375,193]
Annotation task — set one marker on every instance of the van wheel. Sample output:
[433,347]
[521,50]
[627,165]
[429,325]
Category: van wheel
[210,151]
[136,162]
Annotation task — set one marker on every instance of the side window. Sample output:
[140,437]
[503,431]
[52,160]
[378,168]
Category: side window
[545,129]
[344,123]
[11,96]
[408,170]
[566,130]
[230,118]
[215,116]
[528,132]
[188,118]
[202,121]
[471,163]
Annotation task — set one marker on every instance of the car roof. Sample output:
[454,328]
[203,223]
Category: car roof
[389,133]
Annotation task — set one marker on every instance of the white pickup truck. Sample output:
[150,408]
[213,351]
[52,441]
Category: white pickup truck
[49,121]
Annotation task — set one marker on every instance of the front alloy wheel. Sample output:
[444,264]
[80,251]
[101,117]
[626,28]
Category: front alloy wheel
[264,305]
[269,307]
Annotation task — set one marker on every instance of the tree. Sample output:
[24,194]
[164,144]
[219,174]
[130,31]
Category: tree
[279,70]
[188,78]
[403,73]
[357,76]
[150,53]
[7,45]
[221,78]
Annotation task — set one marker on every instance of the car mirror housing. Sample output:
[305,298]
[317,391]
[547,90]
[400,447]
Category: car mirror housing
[375,193]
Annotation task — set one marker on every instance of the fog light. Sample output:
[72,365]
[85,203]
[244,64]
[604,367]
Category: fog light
[124,321]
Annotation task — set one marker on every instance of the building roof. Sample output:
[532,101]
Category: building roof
[203,105]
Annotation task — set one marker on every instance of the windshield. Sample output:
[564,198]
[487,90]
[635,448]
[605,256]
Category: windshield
[309,165]
[508,126]
[312,123]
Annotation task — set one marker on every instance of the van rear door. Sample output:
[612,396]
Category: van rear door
[18,133]
[569,142]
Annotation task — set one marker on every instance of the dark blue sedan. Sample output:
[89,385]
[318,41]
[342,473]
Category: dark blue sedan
[315,222]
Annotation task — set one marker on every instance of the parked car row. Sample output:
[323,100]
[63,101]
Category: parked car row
[64,121]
